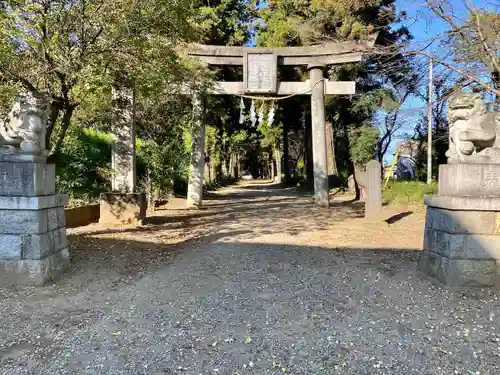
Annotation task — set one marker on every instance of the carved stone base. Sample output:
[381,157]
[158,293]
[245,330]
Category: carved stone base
[473,180]
[475,159]
[26,179]
[462,241]
[33,243]
[123,208]
[23,158]
[34,271]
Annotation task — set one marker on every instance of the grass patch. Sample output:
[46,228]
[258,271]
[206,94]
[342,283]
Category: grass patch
[408,192]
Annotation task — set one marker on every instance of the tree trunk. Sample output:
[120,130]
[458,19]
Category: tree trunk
[55,108]
[308,149]
[227,163]
[65,123]
[495,75]
[330,151]
[286,170]
[360,179]
[239,166]
[271,167]
[277,154]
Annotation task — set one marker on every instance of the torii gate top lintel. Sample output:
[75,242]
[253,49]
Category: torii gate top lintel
[322,54]
[260,65]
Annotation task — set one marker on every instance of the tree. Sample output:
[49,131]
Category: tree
[77,50]
[469,46]
[364,141]
[296,22]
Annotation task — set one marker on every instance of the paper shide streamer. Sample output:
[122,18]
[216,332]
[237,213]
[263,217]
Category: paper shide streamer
[260,116]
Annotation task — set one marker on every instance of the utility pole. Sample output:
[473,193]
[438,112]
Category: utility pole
[429,118]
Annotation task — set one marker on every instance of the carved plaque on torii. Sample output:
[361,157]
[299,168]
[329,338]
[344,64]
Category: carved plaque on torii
[260,72]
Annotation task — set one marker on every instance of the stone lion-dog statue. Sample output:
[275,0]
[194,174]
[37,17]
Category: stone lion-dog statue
[23,131]
[474,130]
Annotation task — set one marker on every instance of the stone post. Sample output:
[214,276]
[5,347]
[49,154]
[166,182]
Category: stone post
[197,165]
[123,205]
[123,160]
[33,244]
[373,202]
[321,188]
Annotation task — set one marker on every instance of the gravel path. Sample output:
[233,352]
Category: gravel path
[259,282]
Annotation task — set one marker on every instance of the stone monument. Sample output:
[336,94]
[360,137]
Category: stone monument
[373,202]
[33,245]
[462,229]
[123,205]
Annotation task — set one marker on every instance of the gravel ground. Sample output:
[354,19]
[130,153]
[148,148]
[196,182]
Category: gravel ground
[258,282]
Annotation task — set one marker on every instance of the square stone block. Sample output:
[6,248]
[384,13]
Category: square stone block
[483,247]
[23,221]
[34,272]
[429,263]
[32,203]
[38,246]
[474,273]
[449,245]
[52,219]
[11,246]
[122,208]
[27,179]
[32,246]
[459,272]
[473,180]
[60,238]
[456,221]
[61,217]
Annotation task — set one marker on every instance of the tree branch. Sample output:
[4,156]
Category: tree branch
[486,47]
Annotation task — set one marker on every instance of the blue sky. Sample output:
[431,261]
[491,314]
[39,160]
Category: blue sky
[423,26]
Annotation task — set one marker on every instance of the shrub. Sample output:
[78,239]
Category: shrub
[363,144]
[163,167]
[83,165]
[408,192]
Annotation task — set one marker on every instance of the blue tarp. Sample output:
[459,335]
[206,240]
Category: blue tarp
[405,168]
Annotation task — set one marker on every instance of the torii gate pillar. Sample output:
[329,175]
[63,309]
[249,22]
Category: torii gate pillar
[197,162]
[320,160]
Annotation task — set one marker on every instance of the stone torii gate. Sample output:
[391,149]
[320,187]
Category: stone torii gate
[260,68]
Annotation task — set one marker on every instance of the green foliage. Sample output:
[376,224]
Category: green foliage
[300,22]
[408,192]
[225,22]
[363,143]
[161,167]
[379,98]
[83,165]
[78,51]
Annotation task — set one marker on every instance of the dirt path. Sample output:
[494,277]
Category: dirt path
[259,281]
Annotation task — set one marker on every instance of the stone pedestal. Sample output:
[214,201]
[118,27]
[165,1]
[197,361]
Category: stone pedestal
[462,229]
[33,244]
[123,208]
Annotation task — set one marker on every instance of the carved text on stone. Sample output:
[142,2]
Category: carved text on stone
[261,70]
[492,180]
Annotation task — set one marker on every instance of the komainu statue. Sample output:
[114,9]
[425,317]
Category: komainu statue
[474,131]
[23,131]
